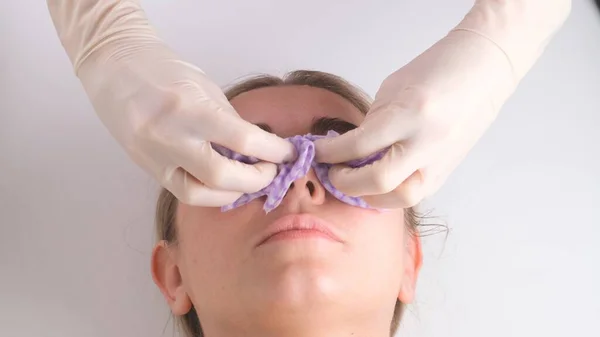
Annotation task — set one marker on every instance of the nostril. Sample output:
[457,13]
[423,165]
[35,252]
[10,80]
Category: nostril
[292,186]
[311,187]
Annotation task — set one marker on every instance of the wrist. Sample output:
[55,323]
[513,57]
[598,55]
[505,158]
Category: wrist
[521,29]
[106,30]
[122,33]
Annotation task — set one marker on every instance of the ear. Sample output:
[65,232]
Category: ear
[412,265]
[166,275]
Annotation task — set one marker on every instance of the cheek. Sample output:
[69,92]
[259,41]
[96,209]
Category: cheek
[374,263]
[386,228]
[210,241]
[379,240]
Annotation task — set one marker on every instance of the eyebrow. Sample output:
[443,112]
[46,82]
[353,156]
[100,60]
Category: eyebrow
[321,125]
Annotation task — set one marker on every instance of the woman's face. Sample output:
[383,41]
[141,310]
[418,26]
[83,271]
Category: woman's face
[220,266]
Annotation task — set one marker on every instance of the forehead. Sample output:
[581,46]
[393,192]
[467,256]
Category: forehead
[291,110]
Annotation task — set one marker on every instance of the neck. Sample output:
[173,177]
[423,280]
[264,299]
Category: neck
[303,328]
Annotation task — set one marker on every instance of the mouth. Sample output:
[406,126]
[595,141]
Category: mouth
[298,227]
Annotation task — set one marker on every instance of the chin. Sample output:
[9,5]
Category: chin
[299,288]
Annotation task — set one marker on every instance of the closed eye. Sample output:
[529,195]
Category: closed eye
[321,125]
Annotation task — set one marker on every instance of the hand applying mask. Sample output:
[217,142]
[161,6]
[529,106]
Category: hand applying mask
[163,111]
[433,110]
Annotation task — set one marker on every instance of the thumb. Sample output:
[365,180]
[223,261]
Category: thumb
[380,129]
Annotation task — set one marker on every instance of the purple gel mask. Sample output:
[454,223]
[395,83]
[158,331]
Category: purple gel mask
[291,171]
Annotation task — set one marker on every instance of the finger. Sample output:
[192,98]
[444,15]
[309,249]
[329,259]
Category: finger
[380,177]
[408,194]
[236,134]
[381,128]
[221,173]
[419,185]
[191,191]
[184,148]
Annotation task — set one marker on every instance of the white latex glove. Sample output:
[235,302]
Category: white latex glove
[162,110]
[433,110]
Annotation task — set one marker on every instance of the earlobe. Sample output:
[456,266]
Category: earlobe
[412,266]
[166,276]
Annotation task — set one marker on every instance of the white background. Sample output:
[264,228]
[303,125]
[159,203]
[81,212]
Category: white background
[522,257]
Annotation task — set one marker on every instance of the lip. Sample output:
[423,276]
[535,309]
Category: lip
[299,226]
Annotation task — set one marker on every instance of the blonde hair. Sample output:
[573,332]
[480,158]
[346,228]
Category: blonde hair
[167,203]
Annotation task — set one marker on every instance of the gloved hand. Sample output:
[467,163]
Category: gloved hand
[432,111]
[162,110]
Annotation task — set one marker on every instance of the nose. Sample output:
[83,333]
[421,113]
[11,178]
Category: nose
[307,189]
